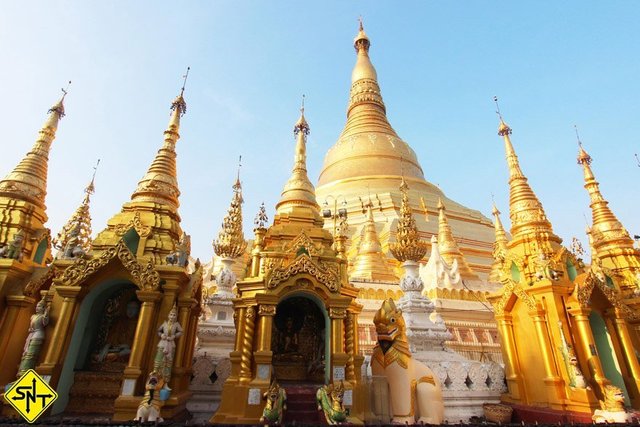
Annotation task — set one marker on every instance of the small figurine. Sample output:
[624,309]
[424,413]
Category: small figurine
[73,248]
[273,411]
[14,249]
[180,256]
[330,402]
[33,344]
[169,331]
[149,408]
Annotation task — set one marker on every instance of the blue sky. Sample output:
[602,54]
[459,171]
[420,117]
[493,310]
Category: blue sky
[553,65]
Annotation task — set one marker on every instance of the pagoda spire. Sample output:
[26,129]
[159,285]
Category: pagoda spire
[76,233]
[366,108]
[230,242]
[160,183]
[526,212]
[299,191]
[28,180]
[499,246]
[607,231]
[448,247]
[408,246]
[370,263]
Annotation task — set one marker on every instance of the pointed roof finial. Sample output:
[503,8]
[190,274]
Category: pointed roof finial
[448,246]
[230,242]
[237,185]
[301,125]
[76,233]
[184,81]
[503,129]
[408,245]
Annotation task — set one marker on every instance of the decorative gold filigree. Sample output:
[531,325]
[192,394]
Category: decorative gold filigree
[408,246]
[136,224]
[509,288]
[302,241]
[33,287]
[267,310]
[585,291]
[303,264]
[230,242]
[337,312]
[146,277]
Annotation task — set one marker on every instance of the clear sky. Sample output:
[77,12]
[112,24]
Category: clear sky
[553,64]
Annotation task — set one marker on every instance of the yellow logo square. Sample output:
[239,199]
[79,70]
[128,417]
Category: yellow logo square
[30,395]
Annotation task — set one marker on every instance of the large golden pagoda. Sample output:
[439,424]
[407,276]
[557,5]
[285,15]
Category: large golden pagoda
[369,156]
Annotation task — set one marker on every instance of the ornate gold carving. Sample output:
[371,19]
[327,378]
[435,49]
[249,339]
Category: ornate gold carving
[585,291]
[267,310]
[32,287]
[337,312]
[302,241]
[147,277]
[509,287]
[303,264]
[136,224]
[408,245]
[230,242]
[247,343]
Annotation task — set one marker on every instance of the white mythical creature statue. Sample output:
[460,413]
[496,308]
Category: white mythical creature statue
[416,394]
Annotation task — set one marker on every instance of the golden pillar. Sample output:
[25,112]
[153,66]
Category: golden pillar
[235,355]
[246,353]
[350,346]
[263,354]
[142,338]
[338,357]
[178,368]
[16,319]
[551,380]
[511,358]
[622,328]
[581,320]
[61,331]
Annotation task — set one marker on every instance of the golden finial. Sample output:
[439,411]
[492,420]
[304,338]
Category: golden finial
[179,105]
[447,244]
[503,128]
[606,225]
[301,125]
[237,186]
[299,190]
[361,41]
[408,246]
[28,180]
[76,233]
[230,242]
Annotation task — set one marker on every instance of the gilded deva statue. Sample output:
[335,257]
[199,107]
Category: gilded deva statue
[33,344]
[169,331]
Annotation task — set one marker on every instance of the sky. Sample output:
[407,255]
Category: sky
[552,65]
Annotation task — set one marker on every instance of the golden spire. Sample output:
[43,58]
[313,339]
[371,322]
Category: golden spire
[448,247]
[606,229]
[366,109]
[299,191]
[160,183]
[28,180]
[499,246]
[408,246]
[526,212]
[370,263]
[230,242]
[501,235]
[77,231]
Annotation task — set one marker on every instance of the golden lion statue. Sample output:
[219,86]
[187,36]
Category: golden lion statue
[613,410]
[411,383]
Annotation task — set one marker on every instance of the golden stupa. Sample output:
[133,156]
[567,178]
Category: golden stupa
[370,158]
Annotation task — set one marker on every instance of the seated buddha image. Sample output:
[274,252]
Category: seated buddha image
[117,329]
